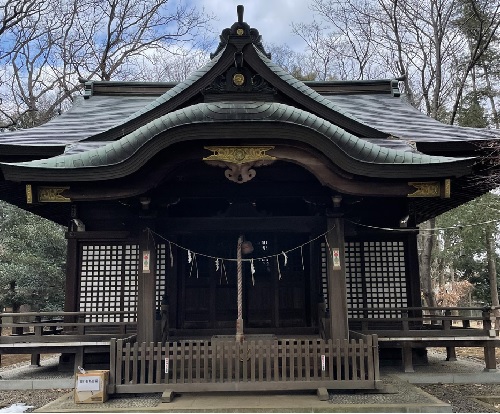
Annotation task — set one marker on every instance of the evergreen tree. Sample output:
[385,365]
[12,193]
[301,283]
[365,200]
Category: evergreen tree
[32,260]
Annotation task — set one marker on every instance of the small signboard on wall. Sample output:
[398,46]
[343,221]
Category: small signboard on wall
[336,259]
[146,261]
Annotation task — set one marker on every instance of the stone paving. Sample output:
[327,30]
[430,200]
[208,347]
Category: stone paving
[399,396]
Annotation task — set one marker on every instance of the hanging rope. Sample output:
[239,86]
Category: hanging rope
[223,267]
[240,278]
[239,321]
[262,258]
[302,258]
[252,271]
[279,270]
[171,255]
[399,230]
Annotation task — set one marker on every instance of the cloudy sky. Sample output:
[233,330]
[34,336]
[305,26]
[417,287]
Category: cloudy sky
[272,18]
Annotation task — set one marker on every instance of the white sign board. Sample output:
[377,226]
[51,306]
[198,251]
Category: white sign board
[88,383]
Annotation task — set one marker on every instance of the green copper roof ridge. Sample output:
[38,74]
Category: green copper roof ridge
[178,88]
[303,88]
[119,151]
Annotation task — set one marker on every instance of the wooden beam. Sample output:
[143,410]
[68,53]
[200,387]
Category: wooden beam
[337,290]
[248,386]
[301,224]
[97,235]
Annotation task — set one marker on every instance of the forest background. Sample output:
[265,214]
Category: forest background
[446,54]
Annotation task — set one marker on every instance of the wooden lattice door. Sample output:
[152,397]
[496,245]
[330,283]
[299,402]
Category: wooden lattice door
[275,295]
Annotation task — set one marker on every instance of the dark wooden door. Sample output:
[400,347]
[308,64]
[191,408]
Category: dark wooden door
[207,285]
[275,295]
[259,297]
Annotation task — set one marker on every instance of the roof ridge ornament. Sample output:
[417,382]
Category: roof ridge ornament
[240,34]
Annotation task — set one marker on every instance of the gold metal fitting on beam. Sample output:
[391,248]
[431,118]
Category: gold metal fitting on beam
[239,155]
[52,195]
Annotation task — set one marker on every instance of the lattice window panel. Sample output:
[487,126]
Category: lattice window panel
[324,274]
[354,277]
[378,269]
[108,281]
[130,273]
[161,260]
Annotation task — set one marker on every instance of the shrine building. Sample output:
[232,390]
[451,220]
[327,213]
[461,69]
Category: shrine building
[243,229]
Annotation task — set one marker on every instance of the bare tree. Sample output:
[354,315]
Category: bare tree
[13,12]
[301,65]
[342,42]
[68,40]
[38,79]
[361,39]
[173,65]
[427,241]
[113,31]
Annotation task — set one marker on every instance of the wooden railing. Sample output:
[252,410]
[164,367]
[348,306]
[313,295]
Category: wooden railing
[54,326]
[409,328]
[433,321]
[219,365]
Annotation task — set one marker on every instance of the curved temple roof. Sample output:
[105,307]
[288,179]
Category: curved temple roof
[348,151]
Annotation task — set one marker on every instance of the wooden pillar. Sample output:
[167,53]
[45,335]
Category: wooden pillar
[413,275]
[72,276]
[407,358]
[490,358]
[146,313]
[337,291]
[172,275]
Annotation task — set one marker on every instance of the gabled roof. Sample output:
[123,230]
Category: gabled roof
[368,132]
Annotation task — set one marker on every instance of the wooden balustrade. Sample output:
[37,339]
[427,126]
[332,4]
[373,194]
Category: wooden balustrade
[413,327]
[54,326]
[220,365]
[435,321]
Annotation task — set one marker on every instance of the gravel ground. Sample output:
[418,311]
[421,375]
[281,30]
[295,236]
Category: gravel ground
[460,396]
[35,398]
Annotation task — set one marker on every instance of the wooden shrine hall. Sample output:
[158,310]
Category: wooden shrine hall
[243,230]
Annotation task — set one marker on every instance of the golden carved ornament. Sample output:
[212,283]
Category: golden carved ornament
[52,195]
[426,189]
[238,79]
[447,188]
[240,32]
[431,189]
[239,155]
[29,194]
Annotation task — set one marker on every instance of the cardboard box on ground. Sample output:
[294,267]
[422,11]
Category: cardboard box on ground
[91,387]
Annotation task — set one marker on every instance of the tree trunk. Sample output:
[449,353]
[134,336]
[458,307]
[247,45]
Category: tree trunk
[492,271]
[427,244]
[496,118]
